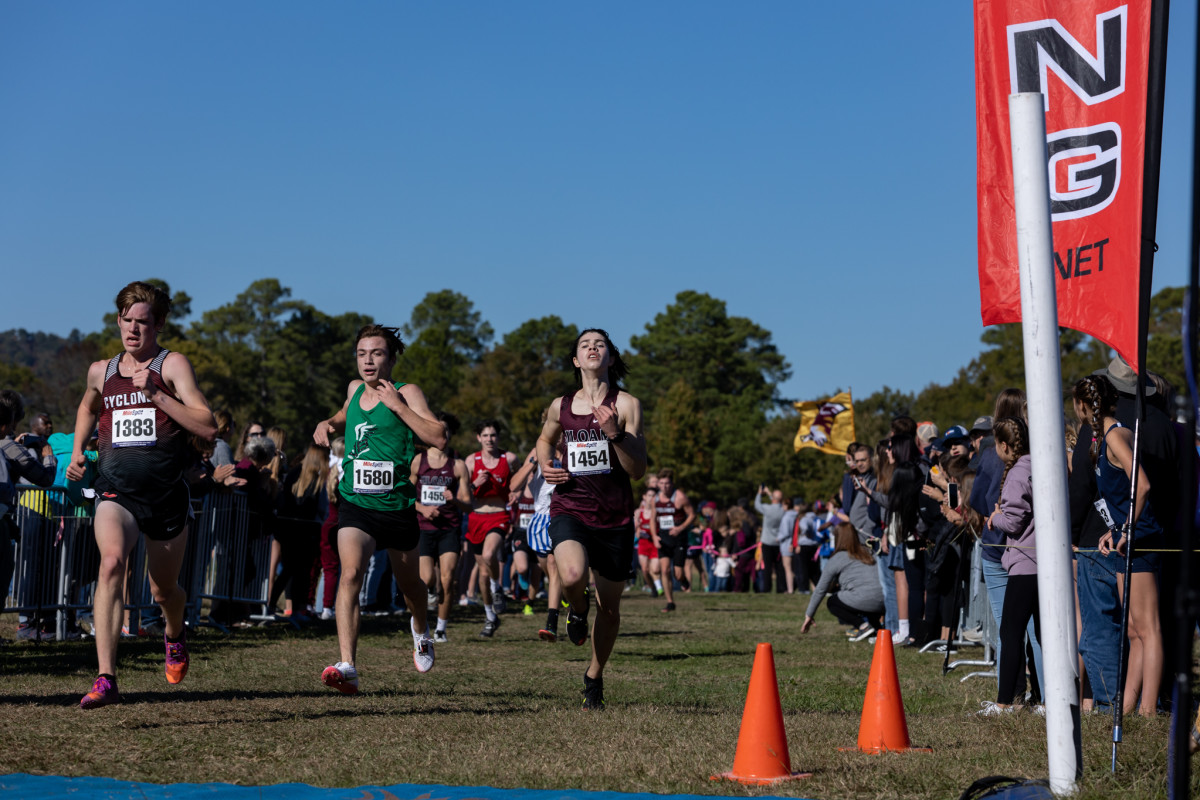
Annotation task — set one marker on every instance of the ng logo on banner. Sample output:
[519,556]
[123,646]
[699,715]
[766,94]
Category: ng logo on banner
[1089,58]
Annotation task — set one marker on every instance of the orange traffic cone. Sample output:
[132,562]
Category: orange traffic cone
[762,751]
[883,726]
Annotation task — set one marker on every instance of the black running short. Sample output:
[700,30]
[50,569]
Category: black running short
[161,521]
[436,543]
[393,530]
[609,550]
[674,547]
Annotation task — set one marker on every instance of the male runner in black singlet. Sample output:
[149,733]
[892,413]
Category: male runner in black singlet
[147,403]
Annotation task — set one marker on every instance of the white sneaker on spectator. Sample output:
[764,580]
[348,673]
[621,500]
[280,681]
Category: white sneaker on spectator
[974,635]
[990,709]
[898,638]
[327,614]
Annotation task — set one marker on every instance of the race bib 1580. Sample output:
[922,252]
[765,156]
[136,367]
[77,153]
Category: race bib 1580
[372,477]
[133,427]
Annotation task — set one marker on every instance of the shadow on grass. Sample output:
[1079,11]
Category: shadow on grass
[647,634]
[67,658]
[300,704]
[684,656]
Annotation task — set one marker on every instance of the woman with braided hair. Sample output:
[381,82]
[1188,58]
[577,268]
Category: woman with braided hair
[1014,518]
[1112,457]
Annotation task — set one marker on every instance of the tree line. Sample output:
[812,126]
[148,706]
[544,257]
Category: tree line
[708,380]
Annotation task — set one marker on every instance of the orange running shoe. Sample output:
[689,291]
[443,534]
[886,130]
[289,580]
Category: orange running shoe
[104,693]
[177,657]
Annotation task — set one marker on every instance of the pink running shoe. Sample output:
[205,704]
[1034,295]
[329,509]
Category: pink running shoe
[104,693]
[341,676]
[177,658]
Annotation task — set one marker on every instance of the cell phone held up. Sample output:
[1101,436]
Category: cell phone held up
[952,498]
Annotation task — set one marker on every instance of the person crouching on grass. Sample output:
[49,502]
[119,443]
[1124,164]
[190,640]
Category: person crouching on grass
[858,601]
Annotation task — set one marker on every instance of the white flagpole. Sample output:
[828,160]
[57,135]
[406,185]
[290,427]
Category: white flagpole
[1043,383]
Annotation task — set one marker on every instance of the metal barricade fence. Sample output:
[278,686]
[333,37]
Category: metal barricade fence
[54,548]
[978,613]
[55,561]
[232,559]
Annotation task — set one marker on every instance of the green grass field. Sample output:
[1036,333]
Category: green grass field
[506,713]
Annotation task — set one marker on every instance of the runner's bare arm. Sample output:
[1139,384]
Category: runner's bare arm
[522,476]
[85,419]
[547,441]
[631,451]
[408,403]
[327,429]
[463,500]
[685,505]
[191,410]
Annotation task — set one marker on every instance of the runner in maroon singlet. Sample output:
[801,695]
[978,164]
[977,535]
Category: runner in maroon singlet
[443,494]
[490,522]
[598,431]
[675,516]
[147,403]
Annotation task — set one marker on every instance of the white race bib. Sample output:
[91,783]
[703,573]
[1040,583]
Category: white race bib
[432,495]
[133,427]
[1105,514]
[524,521]
[372,477]
[666,523]
[588,457]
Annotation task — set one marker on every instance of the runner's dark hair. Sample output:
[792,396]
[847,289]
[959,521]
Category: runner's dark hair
[617,369]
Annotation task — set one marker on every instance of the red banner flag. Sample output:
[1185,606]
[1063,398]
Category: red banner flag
[1090,60]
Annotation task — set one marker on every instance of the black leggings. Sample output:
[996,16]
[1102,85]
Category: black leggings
[1020,603]
[849,615]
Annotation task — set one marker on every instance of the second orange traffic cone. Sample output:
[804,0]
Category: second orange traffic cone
[883,726]
[762,751]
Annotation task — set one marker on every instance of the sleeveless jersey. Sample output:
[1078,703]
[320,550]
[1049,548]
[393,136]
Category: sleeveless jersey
[523,513]
[641,521]
[599,493]
[496,486]
[665,511]
[431,484]
[142,451]
[379,454]
[1114,487]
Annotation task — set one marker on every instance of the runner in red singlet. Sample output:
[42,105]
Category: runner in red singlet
[599,428]
[147,403]
[646,523]
[491,470]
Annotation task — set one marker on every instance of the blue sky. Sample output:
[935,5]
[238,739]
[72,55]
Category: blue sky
[813,165]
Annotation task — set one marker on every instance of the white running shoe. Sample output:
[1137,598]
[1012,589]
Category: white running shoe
[440,637]
[327,614]
[899,638]
[431,601]
[341,676]
[423,652]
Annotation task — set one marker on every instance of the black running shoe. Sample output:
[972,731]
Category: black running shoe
[593,693]
[577,625]
[669,607]
[489,628]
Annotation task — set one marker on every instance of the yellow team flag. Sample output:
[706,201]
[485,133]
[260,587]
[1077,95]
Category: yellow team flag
[827,425]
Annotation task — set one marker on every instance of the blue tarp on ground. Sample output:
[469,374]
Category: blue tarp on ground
[52,786]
